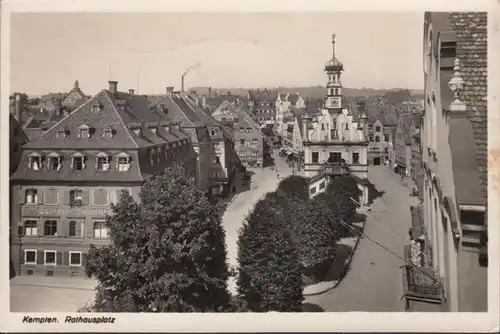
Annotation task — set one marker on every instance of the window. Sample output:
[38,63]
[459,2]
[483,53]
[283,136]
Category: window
[315,157]
[355,157]
[322,185]
[212,132]
[50,227]
[51,196]
[242,141]
[377,128]
[31,196]
[371,138]
[78,163]
[31,228]
[243,129]
[83,133]
[75,258]
[386,137]
[100,230]
[377,139]
[249,129]
[35,162]
[100,196]
[75,229]
[347,126]
[158,156]
[123,164]
[108,133]
[102,163]
[50,257]
[61,134]
[217,160]
[95,108]
[322,126]
[75,197]
[448,50]
[215,175]
[152,157]
[313,190]
[335,157]
[29,256]
[54,162]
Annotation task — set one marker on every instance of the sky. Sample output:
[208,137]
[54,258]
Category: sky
[149,51]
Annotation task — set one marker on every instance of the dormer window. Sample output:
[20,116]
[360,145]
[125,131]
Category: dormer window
[153,130]
[84,132]
[108,133]
[95,108]
[102,162]
[137,131]
[54,161]
[61,134]
[123,162]
[77,162]
[35,161]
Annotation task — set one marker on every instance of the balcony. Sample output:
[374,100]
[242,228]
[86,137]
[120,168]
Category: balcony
[420,280]
[336,169]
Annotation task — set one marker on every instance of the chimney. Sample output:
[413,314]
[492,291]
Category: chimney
[182,82]
[209,92]
[57,105]
[113,86]
[18,108]
[131,91]
[204,102]
[170,91]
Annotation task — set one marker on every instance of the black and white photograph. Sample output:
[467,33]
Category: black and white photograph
[303,162]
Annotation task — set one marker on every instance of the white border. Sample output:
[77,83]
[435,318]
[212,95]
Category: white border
[69,259]
[36,256]
[272,321]
[45,251]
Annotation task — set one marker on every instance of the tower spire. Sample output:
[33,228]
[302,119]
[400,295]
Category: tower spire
[333,45]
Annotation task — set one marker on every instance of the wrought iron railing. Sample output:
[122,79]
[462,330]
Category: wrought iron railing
[420,278]
[336,168]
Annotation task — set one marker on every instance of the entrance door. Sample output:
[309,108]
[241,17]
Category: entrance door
[376,161]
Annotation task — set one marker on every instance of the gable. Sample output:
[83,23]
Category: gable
[73,97]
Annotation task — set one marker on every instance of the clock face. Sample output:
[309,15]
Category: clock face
[335,103]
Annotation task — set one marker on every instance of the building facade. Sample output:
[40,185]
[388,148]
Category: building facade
[285,103]
[402,146]
[69,176]
[337,136]
[454,155]
[248,137]
[262,106]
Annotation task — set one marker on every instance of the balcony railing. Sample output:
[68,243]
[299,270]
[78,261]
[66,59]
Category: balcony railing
[336,168]
[420,279]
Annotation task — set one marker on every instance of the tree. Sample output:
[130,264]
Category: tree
[337,199]
[269,277]
[296,185]
[167,254]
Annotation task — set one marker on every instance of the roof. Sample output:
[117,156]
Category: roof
[230,110]
[471,34]
[120,112]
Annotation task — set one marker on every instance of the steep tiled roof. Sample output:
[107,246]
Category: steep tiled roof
[471,34]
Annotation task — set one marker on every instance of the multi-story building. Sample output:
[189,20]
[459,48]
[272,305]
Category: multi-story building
[69,176]
[216,155]
[248,137]
[262,106]
[416,151]
[285,104]
[337,135]
[402,144]
[380,123]
[454,156]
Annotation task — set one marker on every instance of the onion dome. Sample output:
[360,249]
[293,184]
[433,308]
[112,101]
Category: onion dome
[334,64]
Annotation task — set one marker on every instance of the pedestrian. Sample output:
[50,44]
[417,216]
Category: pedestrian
[278,173]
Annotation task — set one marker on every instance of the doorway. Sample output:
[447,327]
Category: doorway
[376,161]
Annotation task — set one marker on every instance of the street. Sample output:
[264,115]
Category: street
[374,281]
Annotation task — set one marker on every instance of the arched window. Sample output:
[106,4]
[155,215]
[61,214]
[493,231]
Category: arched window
[78,161]
[54,161]
[122,162]
[35,161]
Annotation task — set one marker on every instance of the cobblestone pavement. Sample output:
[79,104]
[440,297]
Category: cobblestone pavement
[374,281]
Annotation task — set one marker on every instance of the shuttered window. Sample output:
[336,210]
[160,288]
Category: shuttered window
[100,196]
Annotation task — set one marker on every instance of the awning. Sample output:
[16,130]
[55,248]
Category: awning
[417,222]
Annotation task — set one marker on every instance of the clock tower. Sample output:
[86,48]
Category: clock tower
[333,70]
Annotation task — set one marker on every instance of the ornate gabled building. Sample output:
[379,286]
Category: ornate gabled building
[285,103]
[454,158]
[262,106]
[337,136]
[69,176]
[247,135]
